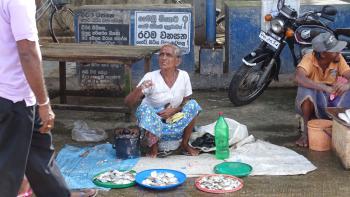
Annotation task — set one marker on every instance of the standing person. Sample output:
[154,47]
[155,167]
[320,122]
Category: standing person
[26,117]
[165,92]
[319,86]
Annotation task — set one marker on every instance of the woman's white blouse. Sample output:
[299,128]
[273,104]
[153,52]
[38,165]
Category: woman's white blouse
[160,94]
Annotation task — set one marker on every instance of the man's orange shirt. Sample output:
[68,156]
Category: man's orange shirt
[314,71]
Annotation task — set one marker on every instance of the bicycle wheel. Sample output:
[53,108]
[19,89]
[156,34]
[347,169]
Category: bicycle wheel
[61,24]
[220,24]
[42,7]
[220,30]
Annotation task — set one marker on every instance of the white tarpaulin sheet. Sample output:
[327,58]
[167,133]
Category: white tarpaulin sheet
[264,157]
[270,159]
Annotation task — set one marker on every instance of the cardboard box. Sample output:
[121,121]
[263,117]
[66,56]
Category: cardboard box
[340,137]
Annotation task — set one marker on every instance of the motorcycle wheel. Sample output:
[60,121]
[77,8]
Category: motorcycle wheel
[243,87]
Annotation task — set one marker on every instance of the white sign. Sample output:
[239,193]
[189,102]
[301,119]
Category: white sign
[157,28]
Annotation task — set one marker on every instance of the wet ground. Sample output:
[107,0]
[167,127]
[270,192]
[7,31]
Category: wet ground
[271,118]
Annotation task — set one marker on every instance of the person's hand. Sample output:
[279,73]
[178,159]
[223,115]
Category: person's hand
[328,89]
[146,84]
[167,112]
[341,88]
[47,118]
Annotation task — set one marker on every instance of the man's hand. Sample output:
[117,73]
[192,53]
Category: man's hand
[341,88]
[328,89]
[167,113]
[47,118]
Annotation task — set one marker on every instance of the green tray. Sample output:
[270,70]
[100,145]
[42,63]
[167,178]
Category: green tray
[237,169]
[111,185]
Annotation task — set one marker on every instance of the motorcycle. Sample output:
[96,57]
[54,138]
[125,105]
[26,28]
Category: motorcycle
[262,65]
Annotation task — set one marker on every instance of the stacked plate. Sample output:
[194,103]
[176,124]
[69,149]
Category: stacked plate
[237,169]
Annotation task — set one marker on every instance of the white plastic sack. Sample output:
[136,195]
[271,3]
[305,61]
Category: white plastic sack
[82,133]
[237,132]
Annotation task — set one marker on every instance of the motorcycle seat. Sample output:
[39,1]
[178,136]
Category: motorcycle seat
[343,31]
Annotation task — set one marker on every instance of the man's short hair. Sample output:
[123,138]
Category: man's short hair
[177,50]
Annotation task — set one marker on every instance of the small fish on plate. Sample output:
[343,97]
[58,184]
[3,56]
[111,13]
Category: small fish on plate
[160,179]
[219,183]
[116,177]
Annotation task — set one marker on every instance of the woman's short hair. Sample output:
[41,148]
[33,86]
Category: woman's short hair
[177,50]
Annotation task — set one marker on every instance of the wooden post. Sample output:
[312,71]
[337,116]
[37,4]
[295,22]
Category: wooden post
[147,65]
[62,70]
[128,89]
[128,79]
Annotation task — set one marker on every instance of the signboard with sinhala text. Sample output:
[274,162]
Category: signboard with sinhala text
[157,28]
[103,27]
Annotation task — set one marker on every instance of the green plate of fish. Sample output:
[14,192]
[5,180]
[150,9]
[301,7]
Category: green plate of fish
[115,179]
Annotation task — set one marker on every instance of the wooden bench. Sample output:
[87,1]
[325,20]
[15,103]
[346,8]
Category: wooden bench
[95,53]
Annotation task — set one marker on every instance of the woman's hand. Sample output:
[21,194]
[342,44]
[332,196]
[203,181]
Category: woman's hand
[146,84]
[137,94]
[167,112]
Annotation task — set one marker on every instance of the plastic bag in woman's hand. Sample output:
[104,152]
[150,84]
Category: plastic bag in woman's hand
[82,133]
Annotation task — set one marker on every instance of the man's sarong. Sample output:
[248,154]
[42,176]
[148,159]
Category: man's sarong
[320,100]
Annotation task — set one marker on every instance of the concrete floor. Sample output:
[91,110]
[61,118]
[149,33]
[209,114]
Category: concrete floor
[271,118]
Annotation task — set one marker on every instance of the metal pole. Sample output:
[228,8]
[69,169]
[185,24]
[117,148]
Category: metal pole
[211,22]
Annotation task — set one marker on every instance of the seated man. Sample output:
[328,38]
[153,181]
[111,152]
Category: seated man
[165,92]
[319,86]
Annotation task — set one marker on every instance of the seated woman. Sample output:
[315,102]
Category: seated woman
[165,92]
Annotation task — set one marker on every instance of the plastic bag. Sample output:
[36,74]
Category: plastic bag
[237,132]
[82,133]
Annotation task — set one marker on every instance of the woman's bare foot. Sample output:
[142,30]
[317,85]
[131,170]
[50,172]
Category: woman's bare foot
[302,141]
[191,151]
[84,193]
[153,151]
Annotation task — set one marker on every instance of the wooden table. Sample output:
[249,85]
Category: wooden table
[333,113]
[95,53]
